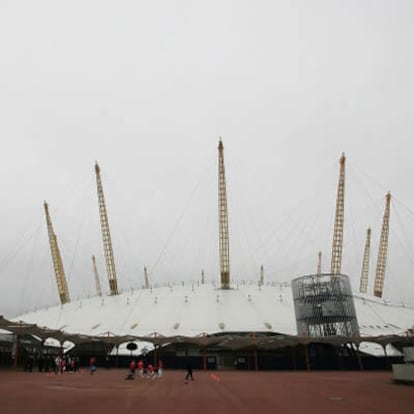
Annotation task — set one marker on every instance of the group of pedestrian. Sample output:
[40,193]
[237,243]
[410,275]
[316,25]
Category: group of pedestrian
[66,363]
[150,371]
[57,364]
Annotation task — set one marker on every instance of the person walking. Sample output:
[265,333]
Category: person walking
[92,365]
[57,364]
[140,366]
[150,371]
[132,367]
[189,371]
[160,368]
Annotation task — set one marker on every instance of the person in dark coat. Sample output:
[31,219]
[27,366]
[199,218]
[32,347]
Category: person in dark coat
[189,371]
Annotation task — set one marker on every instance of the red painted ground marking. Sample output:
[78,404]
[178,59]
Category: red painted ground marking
[214,377]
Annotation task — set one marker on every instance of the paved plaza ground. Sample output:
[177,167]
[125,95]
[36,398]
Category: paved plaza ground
[211,392]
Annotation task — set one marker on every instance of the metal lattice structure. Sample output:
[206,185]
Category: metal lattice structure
[106,235]
[146,280]
[57,260]
[319,269]
[339,221]
[223,224]
[363,287]
[95,272]
[324,306]
[383,248]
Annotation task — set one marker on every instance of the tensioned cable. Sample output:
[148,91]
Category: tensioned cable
[403,204]
[288,216]
[178,222]
[277,230]
[63,244]
[402,227]
[23,239]
[212,252]
[377,183]
[23,297]
[204,251]
[77,239]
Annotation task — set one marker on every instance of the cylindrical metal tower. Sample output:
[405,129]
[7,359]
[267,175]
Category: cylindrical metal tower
[324,306]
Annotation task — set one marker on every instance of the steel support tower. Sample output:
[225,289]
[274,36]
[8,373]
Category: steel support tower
[57,260]
[146,280]
[383,248]
[363,287]
[223,223]
[319,268]
[339,221]
[106,235]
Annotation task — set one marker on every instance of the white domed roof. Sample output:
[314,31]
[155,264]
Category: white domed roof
[195,309]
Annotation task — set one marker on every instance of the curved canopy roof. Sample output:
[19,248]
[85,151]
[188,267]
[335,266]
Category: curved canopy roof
[204,315]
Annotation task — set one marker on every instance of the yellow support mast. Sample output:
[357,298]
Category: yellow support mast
[319,268]
[106,235]
[57,260]
[97,283]
[363,287]
[339,221]
[146,280]
[383,248]
[223,223]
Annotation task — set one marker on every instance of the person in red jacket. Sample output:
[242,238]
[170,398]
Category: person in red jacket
[92,366]
[150,371]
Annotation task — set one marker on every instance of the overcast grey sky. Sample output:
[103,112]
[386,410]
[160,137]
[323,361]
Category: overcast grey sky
[147,87]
